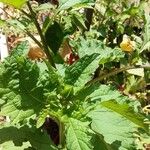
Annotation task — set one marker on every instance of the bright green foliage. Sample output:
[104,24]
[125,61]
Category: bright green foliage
[80,73]
[30,91]
[117,123]
[90,115]
[78,135]
[16,3]
[146,39]
[23,83]
[8,145]
[66,4]
[107,54]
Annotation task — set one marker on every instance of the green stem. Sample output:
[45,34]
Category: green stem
[45,46]
[114,72]
[61,134]
[34,39]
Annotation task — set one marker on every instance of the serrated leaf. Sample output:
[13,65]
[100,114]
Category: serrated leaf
[16,3]
[78,136]
[97,92]
[107,54]
[54,37]
[33,137]
[23,87]
[20,50]
[81,72]
[117,123]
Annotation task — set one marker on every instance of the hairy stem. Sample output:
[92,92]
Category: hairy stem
[116,71]
[34,39]
[45,46]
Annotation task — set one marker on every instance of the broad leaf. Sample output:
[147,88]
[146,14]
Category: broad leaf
[78,136]
[96,92]
[23,88]
[54,37]
[16,3]
[24,137]
[19,93]
[90,46]
[81,72]
[117,123]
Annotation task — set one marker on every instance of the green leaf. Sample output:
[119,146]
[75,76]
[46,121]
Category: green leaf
[78,136]
[16,24]
[24,87]
[107,54]
[97,92]
[20,50]
[9,145]
[146,39]
[54,37]
[117,123]
[79,22]
[126,112]
[2,23]
[81,72]
[99,142]
[66,4]
[24,137]
[41,118]
[146,46]
[16,3]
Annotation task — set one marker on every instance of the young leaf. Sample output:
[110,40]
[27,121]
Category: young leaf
[54,36]
[78,136]
[117,123]
[81,72]
[16,3]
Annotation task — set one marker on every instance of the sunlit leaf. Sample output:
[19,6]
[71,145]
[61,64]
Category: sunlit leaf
[15,3]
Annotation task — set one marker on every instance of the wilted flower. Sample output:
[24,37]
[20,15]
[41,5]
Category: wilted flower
[127,45]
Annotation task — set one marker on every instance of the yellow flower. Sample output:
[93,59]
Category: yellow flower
[127,45]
